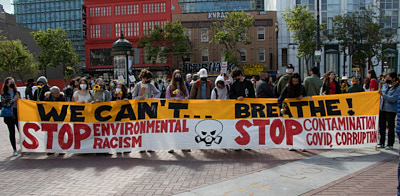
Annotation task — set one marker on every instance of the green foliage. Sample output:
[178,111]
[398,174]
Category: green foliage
[161,42]
[56,49]
[361,31]
[16,58]
[303,25]
[230,32]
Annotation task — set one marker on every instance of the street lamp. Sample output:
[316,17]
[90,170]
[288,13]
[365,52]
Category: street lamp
[277,50]
[122,57]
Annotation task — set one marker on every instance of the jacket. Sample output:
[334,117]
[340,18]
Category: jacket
[264,90]
[283,80]
[152,91]
[195,92]
[325,88]
[48,97]
[39,93]
[220,93]
[284,95]
[389,98]
[7,100]
[239,89]
[313,85]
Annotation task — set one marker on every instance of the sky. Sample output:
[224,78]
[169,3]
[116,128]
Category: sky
[7,6]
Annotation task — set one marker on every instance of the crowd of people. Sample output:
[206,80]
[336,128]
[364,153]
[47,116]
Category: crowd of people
[233,85]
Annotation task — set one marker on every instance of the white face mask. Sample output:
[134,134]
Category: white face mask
[118,90]
[83,86]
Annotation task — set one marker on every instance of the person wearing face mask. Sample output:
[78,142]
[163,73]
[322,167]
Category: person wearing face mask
[121,92]
[221,90]
[145,89]
[9,97]
[83,94]
[240,88]
[389,92]
[72,87]
[177,90]
[43,87]
[201,89]
[100,94]
[294,89]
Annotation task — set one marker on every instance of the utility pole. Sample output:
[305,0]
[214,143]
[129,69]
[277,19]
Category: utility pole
[318,38]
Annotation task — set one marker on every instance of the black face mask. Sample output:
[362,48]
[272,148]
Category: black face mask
[178,79]
[12,85]
[203,79]
[101,86]
[388,81]
[237,80]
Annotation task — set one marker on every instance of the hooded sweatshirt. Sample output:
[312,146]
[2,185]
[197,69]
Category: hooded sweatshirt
[220,93]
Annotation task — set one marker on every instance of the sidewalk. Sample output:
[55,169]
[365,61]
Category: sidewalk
[349,172]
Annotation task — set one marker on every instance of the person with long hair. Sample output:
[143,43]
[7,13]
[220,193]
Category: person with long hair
[83,94]
[370,83]
[177,89]
[293,89]
[387,111]
[9,97]
[145,89]
[330,85]
[121,92]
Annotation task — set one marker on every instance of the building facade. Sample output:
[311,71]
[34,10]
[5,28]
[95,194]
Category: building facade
[44,14]
[259,55]
[332,58]
[205,6]
[107,19]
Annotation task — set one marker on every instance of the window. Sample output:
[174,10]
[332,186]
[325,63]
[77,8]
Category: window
[204,54]
[261,55]
[204,35]
[187,33]
[260,33]
[284,57]
[243,55]
[100,57]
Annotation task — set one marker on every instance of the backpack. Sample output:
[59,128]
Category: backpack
[216,91]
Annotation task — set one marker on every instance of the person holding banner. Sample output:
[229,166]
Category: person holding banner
[221,89]
[330,86]
[294,89]
[177,90]
[43,87]
[121,92]
[9,97]
[241,87]
[201,89]
[99,92]
[83,95]
[387,111]
[144,89]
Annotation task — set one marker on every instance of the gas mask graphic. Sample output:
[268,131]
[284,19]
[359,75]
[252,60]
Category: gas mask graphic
[208,132]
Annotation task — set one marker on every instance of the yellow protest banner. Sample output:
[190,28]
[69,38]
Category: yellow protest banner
[330,121]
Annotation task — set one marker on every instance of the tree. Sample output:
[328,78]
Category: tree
[231,32]
[56,50]
[303,25]
[16,58]
[361,32]
[161,42]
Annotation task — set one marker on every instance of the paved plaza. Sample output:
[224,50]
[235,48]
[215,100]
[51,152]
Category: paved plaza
[200,172]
